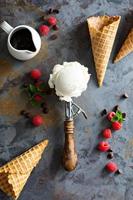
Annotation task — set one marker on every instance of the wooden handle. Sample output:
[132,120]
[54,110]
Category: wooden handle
[70,155]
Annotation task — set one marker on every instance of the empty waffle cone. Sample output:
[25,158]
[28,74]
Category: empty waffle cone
[126,48]
[14,175]
[102,30]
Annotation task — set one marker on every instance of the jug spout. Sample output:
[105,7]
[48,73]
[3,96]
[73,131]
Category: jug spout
[29,52]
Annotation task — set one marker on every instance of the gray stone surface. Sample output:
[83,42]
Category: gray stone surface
[49,180]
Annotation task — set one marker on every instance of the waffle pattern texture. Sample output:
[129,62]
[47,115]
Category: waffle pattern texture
[102,30]
[126,48]
[14,174]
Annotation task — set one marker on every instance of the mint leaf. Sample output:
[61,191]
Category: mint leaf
[119,113]
[121,120]
[114,119]
[32,89]
[35,104]
[42,94]
[42,86]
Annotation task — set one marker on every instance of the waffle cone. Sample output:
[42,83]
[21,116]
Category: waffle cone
[14,175]
[102,30]
[126,48]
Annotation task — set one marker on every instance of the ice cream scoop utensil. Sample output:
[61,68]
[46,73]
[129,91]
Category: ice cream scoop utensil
[70,158]
[69,80]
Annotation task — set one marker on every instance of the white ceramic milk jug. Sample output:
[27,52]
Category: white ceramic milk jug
[23,41]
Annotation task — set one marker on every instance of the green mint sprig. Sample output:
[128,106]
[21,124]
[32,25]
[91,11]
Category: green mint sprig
[33,90]
[118,117]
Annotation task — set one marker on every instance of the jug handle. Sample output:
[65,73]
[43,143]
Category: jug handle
[6,27]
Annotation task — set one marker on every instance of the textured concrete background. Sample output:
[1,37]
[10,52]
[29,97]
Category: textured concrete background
[49,180]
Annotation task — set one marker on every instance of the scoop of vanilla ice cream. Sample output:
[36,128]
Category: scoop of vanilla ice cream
[69,80]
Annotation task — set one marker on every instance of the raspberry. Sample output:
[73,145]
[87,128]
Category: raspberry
[37,120]
[116,125]
[107,133]
[44,30]
[37,98]
[103,146]
[52,21]
[111,167]
[110,115]
[36,74]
